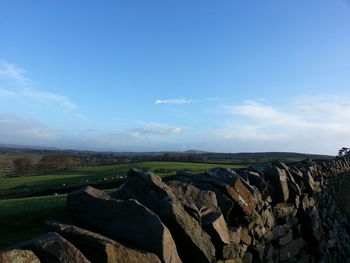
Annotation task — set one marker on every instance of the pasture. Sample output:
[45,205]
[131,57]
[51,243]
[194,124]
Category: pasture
[21,217]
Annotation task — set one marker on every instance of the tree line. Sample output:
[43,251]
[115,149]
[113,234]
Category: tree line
[48,163]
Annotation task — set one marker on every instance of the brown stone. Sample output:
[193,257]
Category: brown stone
[98,248]
[51,247]
[196,201]
[148,189]
[278,178]
[124,220]
[18,256]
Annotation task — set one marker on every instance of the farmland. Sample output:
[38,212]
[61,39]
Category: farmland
[21,217]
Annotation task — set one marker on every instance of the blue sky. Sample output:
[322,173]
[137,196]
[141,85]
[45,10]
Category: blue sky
[231,76]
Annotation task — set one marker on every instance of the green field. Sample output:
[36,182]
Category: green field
[21,186]
[21,218]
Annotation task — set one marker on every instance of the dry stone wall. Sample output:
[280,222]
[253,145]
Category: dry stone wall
[282,213]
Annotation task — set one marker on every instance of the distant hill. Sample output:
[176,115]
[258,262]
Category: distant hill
[200,156]
[263,157]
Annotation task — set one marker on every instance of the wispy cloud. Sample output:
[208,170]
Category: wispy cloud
[305,123]
[173,101]
[18,130]
[24,88]
[156,128]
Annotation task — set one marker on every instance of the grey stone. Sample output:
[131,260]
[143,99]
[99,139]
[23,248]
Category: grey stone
[291,250]
[278,178]
[124,220]
[51,247]
[148,189]
[98,248]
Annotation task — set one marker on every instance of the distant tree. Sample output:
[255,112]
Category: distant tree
[24,165]
[56,162]
[191,158]
[344,152]
[166,157]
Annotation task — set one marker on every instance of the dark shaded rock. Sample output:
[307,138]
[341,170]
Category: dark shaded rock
[286,239]
[214,224]
[291,250]
[248,258]
[18,256]
[124,220]
[148,189]
[221,173]
[98,248]
[51,247]
[280,231]
[259,182]
[278,179]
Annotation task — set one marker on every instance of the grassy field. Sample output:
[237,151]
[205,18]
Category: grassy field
[21,218]
[21,186]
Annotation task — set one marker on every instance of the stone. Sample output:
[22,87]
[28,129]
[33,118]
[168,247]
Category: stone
[268,218]
[18,256]
[224,203]
[278,179]
[286,239]
[214,224]
[280,231]
[245,237]
[259,182]
[125,220]
[248,258]
[233,187]
[221,173]
[98,248]
[284,210]
[230,251]
[51,247]
[196,201]
[291,250]
[148,189]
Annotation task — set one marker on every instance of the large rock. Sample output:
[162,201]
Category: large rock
[215,225]
[193,243]
[51,247]
[125,220]
[278,178]
[233,187]
[196,201]
[98,248]
[225,204]
[18,256]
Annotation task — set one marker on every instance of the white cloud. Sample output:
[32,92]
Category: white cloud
[156,128]
[17,130]
[317,124]
[173,101]
[23,88]
[81,116]
[12,71]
